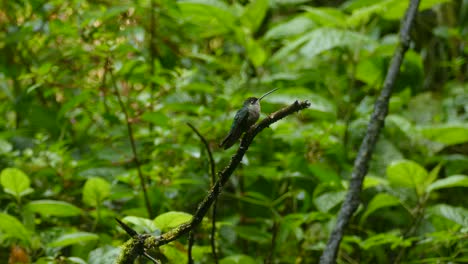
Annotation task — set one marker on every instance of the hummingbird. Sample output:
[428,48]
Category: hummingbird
[244,119]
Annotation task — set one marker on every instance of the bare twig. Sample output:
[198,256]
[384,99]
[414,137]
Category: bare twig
[361,163]
[204,206]
[191,239]
[213,179]
[133,145]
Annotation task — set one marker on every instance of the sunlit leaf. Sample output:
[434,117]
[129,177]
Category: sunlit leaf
[406,173]
[171,219]
[53,208]
[95,191]
[293,27]
[449,134]
[73,238]
[458,215]
[144,224]
[327,201]
[322,39]
[213,17]
[15,182]
[381,200]
[254,13]
[11,227]
[449,182]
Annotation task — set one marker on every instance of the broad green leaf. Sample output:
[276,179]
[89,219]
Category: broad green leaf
[74,238]
[406,173]
[174,254]
[53,208]
[144,223]
[157,118]
[104,255]
[322,39]
[95,191]
[393,238]
[10,226]
[449,182]
[448,134]
[403,124]
[326,16]
[253,233]
[212,17]
[458,215]
[329,38]
[379,201]
[371,70]
[254,13]
[170,220]
[293,27]
[15,182]
[327,201]
[238,259]
[372,181]
[255,51]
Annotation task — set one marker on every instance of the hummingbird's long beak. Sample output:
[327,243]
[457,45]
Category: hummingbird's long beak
[267,93]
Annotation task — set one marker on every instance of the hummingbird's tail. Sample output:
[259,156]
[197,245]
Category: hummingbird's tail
[231,138]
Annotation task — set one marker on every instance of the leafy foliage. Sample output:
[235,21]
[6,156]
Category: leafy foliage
[66,157]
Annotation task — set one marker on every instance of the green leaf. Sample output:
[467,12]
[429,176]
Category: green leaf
[53,208]
[170,220]
[174,254]
[74,238]
[328,38]
[255,52]
[392,237]
[104,255]
[157,118]
[327,201]
[144,223]
[371,70]
[372,181]
[212,17]
[254,14]
[95,191]
[449,182]
[326,16]
[406,173]
[320,40]
[10,226]
[15,182]
[381,200]
[458,215]
[363,11]
[253,233]
[293,27]
[238,259]
[448,134]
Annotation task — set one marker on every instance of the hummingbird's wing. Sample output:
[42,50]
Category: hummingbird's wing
[237,127]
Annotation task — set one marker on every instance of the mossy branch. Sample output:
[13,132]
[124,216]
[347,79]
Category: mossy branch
[134,249]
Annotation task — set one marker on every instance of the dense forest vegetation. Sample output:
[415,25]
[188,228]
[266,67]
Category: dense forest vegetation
[115,109]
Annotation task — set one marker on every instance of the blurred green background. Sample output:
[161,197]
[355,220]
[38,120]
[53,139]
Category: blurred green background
[67,166]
